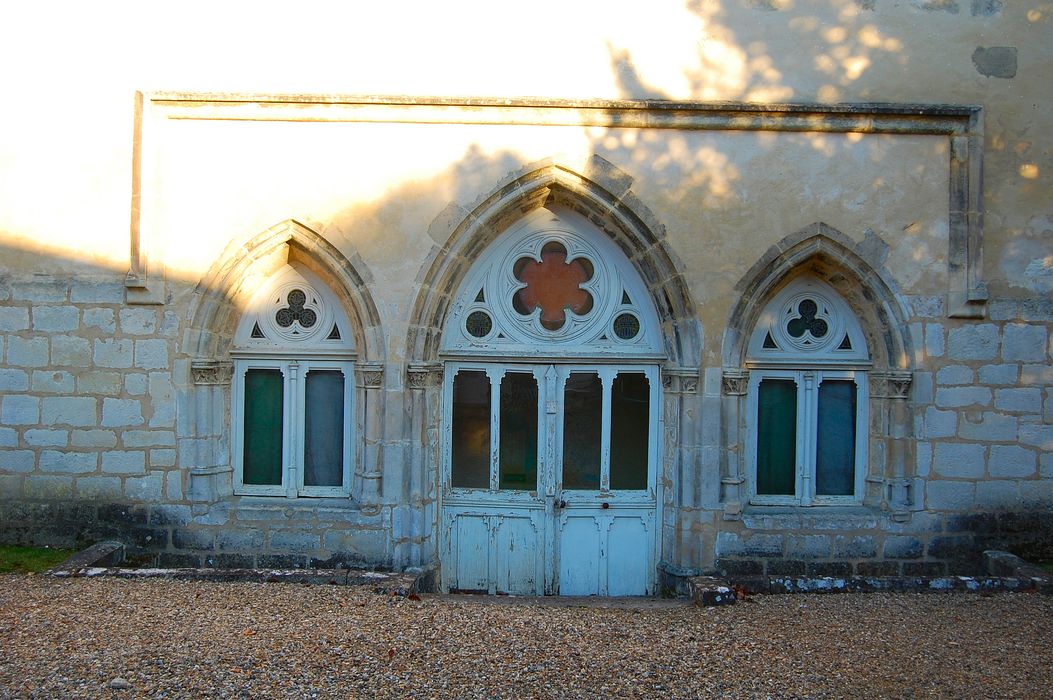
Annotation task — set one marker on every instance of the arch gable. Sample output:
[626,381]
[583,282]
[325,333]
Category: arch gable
[833,258]
[602,196]
[225,290]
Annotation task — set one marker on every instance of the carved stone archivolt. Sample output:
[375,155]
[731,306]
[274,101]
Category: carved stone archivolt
[210,372]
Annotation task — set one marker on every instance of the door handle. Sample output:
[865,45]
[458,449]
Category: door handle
[561,504]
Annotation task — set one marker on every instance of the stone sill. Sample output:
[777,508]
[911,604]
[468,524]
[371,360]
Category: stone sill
[839,518]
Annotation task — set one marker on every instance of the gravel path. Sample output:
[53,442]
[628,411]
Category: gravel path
[72,638]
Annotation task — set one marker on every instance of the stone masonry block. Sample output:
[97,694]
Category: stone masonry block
[192,538]
[1023,342]
[295,541]
[949,495]
[46,437]
[14,380]
[93,438]
[48,487]
[138,321]
[124,462]
[162,399]
[923,458]
[1019,400]
[1037,435]
[940,424]
[69,410]
[244,540]
[973,342]
[68,462]
[959,460]
[52,382]
[934,340]
[55,319]
[162,458]
[955,374]
[1046,465]
[103,319]
[1012,461]
[14,318]
[902,547]
[20,410]
[148,438]
[97,487]
[8,437]
[99,383]
[858,547]
[961,396]
[808,546]
[97,292]
[988,426]
[1030,375]
[27,352]
[144,488]
[135,384]
[999,374]
[18,461]
[151,354]
[113,353]
[70,351]
[122,412]
[927,306]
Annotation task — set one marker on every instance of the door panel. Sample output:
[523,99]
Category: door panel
[562,498]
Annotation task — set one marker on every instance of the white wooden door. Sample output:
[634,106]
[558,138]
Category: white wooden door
[549,478]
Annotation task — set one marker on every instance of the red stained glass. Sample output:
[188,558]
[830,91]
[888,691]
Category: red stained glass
[554,285]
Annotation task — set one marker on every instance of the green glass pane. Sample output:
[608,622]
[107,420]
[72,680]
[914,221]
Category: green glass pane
[518,432]
[776,437]
[630,425]
[835,453]
[323,439]
[471,430]
[582,425]
[262,450]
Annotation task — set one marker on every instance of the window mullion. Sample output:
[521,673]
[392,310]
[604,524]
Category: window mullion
[292,427]
[607,378]
[806,397]
[495,375]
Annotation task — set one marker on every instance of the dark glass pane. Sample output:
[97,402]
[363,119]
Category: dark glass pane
[582,426]
[630,423]
[835,452]
[776,437]
[323,439]
[519,432]
[262,450]
[471,430]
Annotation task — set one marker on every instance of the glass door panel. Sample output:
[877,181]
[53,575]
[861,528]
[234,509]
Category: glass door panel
[519,408]
[582,431]
[470,454]
[630,431]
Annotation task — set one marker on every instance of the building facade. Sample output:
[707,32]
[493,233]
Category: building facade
[789,317]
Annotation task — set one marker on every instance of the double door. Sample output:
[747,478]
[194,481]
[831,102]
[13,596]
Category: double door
[549,478]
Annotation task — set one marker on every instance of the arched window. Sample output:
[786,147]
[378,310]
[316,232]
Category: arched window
[293,389]
[808,360]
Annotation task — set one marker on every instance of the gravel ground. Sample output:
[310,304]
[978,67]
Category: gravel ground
[72,638]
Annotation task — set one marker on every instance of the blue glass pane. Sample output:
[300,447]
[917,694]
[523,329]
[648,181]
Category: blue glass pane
[777,437]
[835,453]
[262,448]
[582,426]
[323,448]
[518,432]
[630,428]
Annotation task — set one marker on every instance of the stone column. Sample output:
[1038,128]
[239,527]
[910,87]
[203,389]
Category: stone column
[369,419]
[890,394]
[733,385]
[424,380]
[205,439]
[679,477]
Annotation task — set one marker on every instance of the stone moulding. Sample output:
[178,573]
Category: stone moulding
[961,124]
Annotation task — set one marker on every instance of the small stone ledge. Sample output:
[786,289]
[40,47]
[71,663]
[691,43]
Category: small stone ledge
[102,554]
[385,583]
[707,591]
[893,584]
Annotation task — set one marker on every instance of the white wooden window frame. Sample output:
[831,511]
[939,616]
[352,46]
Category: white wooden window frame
[808,381]
[294,375]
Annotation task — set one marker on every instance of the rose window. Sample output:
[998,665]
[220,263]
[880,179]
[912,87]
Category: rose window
[553,285]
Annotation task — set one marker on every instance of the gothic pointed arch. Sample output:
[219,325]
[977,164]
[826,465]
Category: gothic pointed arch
[602,196]
[225,290]
[833,258]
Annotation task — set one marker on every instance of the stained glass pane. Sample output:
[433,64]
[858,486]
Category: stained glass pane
[471,430]
[835,454]
[518,432]
[582,426]
[323,448]
[262,448]
[554,284]
[630,424]
[776,437]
